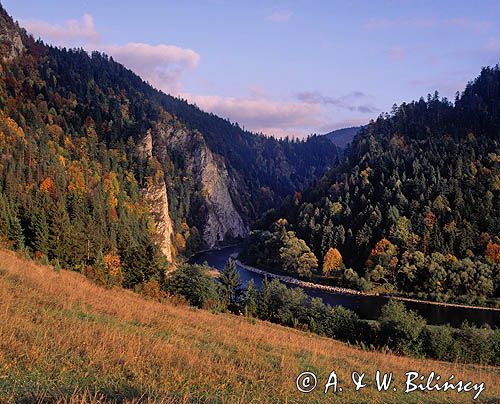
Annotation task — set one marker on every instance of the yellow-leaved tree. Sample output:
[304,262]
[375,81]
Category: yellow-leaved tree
[332,261]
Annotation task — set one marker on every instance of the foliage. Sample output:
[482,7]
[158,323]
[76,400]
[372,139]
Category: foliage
[231,285]
[414,205]
[194,283]
[401,329]
[281,250]
[332,261]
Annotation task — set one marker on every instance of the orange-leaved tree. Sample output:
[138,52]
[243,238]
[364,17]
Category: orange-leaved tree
[332,261]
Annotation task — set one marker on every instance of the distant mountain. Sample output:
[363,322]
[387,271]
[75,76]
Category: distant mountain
[342,137]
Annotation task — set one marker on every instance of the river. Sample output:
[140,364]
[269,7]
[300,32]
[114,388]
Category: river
[367,307]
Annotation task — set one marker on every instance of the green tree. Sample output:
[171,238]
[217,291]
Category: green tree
[251,299]
[194,283]
[264,300]
[400,328]
[230,280]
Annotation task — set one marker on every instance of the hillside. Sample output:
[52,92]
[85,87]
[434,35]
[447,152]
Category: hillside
[343,137]
[63,337]
[85,137]
[414,206]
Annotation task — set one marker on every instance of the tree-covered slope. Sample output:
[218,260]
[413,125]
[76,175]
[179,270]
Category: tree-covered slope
[77,174]
[415,204]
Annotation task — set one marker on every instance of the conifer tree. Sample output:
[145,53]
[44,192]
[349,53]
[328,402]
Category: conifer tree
[230,280]
[251,299]
[264,300]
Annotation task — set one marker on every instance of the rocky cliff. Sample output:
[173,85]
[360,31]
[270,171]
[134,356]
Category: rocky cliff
[156,197]
[11,44]
[218,188]
[155,194]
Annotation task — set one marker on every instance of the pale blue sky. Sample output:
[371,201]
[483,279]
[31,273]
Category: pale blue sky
[283,67]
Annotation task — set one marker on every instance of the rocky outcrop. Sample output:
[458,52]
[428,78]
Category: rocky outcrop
[11,43]
[223,220]
[155,194]
[156,197]
[145,146]
[217,186]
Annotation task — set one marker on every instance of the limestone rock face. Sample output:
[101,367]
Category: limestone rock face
[218,187]
[146,145]
[156,197]
[11,43]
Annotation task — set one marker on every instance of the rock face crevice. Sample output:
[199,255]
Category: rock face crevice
[222,218]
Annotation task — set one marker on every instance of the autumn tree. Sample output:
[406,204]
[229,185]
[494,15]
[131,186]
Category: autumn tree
[493,252]
[332,261]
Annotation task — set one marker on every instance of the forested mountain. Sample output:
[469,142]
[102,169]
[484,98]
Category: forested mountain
[101,172]
[343,137]
[413,207]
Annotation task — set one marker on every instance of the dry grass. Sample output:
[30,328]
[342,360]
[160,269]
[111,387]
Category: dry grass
[64,338]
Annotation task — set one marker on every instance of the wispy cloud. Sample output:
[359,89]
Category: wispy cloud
[466,24]
[260,112]
[280,16]
[384,23]
[397,53]
[458,23]
[70,33]
[351,102]
[162,65]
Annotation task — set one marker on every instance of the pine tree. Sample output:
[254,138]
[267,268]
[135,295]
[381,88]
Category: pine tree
[16,233]
[40,232]
[59,232]
[264,300]
[251,299]
[230,279]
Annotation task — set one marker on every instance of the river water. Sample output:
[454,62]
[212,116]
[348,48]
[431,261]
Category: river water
[367,307]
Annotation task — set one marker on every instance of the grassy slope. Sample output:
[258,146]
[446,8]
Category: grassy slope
[62,336]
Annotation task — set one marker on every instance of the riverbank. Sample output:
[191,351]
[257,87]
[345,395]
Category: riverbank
[346,291]
[303,284]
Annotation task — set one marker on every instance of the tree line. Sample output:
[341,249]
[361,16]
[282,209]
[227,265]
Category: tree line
[397,329]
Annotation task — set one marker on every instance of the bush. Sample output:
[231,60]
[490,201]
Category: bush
[438,342]
[400,329]
[194,283]
[474,344]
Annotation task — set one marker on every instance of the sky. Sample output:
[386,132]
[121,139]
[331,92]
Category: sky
[283,68]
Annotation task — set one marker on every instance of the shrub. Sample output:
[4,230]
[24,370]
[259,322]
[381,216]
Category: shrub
[438,342]
[400,329]
[194,283]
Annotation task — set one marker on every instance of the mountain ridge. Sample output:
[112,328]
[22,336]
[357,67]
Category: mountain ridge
[74,94]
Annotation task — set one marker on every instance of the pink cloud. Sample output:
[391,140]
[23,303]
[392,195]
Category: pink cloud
[397,53]
[260,113]
[280,16]
[461,23]
[377,23]
[466,24]
[162,65]
[280,132]
[383,23]
[70,33]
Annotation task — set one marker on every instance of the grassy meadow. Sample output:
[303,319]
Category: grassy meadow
[65,339]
